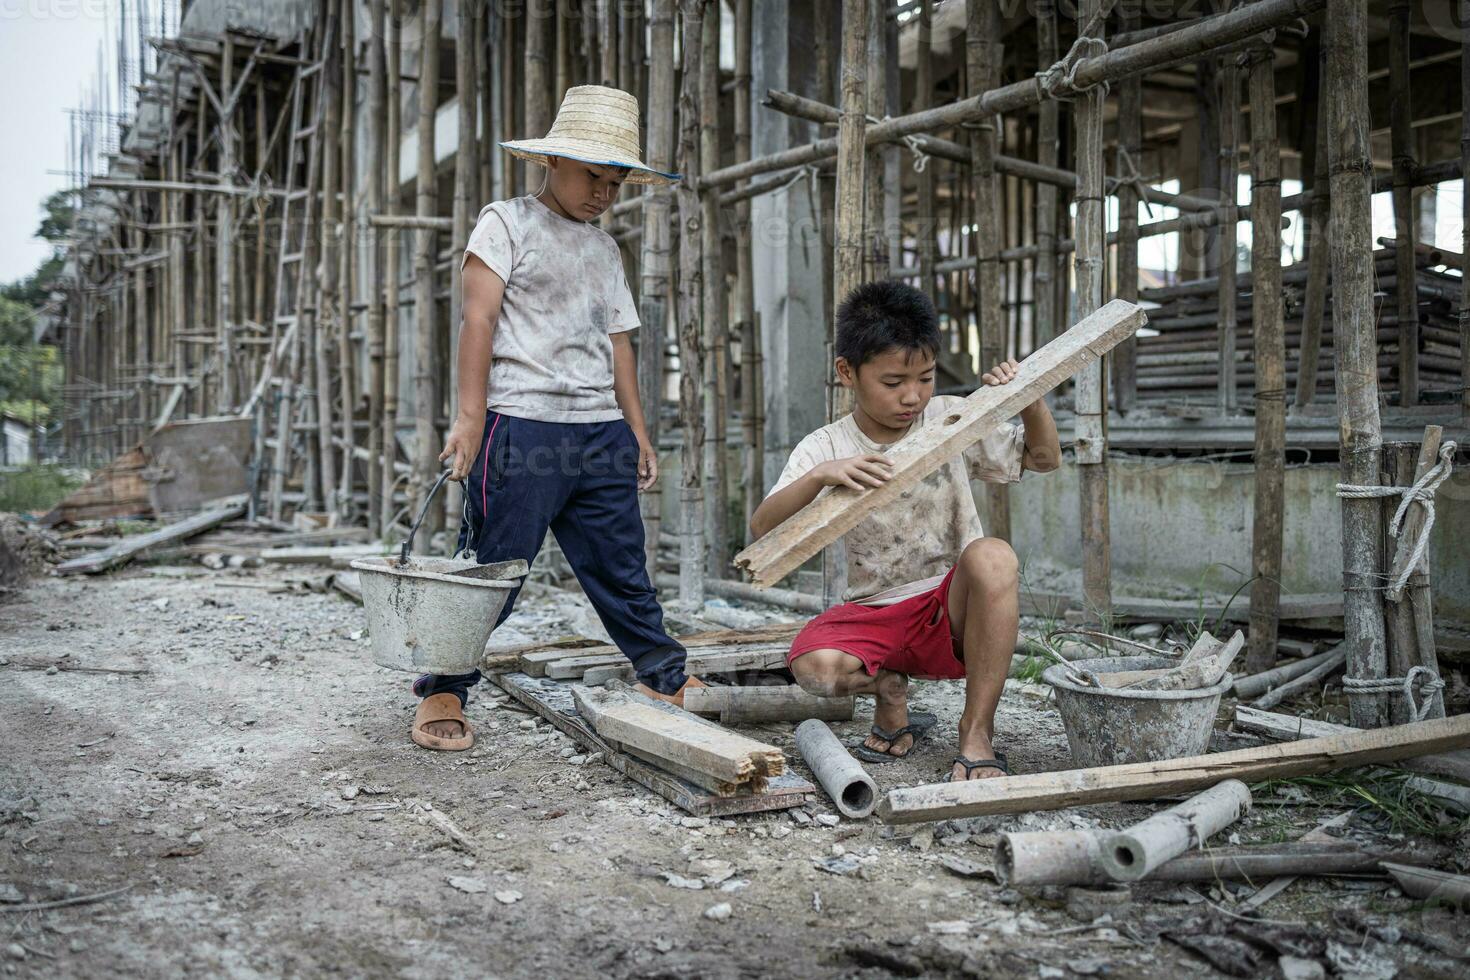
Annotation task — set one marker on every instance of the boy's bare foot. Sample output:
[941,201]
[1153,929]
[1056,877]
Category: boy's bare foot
[890,713]
[677,698]
[975,746]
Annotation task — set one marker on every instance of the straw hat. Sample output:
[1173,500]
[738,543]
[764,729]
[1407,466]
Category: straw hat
[595,124]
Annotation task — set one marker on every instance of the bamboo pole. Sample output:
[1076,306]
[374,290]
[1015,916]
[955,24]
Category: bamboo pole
[464,207]
[849,223]
[715,320]
[329,305]
[426,367]
[753,448]
[377,121]
[876,259]
[1465,212]
[1401,135]
[347,285]
[1411,614]
[486,25]
[1091,437]
[1130,152]
[656,248]
[1270,357]
[1318,258]
[982,70]
[224,238]
[926,230]
[691,415]
[392,335]
[1229,99]
[1046,195]
[1355,348]
[536,84]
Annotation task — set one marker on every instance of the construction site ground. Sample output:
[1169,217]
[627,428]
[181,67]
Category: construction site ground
[255,792]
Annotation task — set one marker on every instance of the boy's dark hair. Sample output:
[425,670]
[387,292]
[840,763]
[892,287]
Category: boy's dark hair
[882,316]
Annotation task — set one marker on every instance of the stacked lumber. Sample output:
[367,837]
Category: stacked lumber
[716,651]
[1182,359]
[679,742]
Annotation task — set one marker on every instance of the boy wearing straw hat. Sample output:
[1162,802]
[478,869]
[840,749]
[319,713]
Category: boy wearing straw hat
[550,433]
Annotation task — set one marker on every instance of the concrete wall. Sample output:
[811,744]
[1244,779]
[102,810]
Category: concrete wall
[1178,523]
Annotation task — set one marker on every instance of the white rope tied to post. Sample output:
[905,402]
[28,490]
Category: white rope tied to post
[1128,174]
[1060,80]
[1422,491]
[916,147]
[1418,710]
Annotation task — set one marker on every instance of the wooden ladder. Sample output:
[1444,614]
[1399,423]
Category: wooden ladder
[297,247]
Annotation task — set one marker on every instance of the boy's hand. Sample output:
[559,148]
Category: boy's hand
[1002,373]
[462,446]
[857,472]
[647,465]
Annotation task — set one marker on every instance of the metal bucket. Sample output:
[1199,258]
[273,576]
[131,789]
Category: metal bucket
[433,615]
[1110,726]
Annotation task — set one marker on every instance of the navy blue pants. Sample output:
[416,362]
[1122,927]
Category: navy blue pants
[580,480]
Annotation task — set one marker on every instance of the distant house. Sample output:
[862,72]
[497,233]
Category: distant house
[15,446]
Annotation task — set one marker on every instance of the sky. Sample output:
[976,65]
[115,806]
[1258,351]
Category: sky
[48,58]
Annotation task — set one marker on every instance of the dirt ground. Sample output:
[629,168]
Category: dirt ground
[254,791]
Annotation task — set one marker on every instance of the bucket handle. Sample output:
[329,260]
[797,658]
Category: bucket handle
[408,544]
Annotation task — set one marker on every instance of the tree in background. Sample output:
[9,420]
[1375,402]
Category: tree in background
[31,372]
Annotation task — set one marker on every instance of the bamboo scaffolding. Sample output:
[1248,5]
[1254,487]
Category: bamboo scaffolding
[426,349]
[690,315]
[716,333]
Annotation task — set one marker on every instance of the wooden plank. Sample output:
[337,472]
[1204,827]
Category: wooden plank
[837,510]
[701,662]
[1455,765]
[533,659]
[1146,780]
[787,702]
[127,549]
[632,720]
[552,700]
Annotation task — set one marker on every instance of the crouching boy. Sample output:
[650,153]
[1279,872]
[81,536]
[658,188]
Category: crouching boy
[928,595]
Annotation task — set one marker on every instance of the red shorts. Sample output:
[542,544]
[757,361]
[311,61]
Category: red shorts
[910,637]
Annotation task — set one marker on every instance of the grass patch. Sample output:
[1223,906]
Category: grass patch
[1385,792]
[37,487]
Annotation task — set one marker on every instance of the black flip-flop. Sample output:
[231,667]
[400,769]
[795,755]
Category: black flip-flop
[919,723]
[999,762]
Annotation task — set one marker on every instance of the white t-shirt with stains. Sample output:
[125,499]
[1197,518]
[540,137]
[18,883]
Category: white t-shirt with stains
[566,293]
[907,546]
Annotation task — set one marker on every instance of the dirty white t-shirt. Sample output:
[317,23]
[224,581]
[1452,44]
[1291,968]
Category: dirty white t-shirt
[566,293]
[905,547]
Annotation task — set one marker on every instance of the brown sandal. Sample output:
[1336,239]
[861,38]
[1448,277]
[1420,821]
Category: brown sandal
[441,707]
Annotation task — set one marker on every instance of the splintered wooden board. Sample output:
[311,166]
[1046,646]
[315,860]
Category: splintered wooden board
[840,509]
[623,715]
[552,700]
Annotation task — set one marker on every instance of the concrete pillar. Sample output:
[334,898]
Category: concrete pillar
[787,268]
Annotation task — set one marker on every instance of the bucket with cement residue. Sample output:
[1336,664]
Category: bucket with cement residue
[1109,726]
[433,615]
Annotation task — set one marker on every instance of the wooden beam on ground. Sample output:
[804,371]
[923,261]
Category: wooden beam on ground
[715,661]
[1148,780]
[682,739]
[129,548]
[533,658]
[836,512]
[1288,728]
[738,705]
